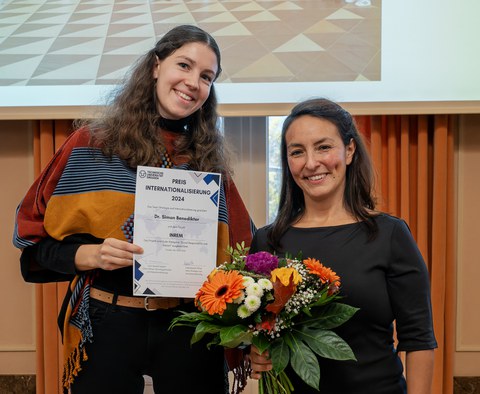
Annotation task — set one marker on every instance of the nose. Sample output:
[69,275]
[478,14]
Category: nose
[192,81]
[310,160]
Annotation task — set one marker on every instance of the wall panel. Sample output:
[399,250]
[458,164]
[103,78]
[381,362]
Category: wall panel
[17,327]
[467,358]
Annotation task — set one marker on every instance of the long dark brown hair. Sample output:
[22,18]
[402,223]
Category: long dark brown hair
[128,126]
[358,197]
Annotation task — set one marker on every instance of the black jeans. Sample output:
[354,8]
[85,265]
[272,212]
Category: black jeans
[131,342]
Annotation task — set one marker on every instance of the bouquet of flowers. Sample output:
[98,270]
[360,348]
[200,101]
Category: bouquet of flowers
[283,305]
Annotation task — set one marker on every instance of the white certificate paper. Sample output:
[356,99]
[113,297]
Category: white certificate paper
[176,223]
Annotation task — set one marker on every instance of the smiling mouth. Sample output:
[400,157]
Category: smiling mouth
[316,177]
[183,95]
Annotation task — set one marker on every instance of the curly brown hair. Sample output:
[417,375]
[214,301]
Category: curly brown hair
[128,126]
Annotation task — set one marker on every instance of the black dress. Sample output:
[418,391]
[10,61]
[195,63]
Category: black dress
[388,280]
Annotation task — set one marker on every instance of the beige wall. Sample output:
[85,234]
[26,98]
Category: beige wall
[17,326]
[467,356]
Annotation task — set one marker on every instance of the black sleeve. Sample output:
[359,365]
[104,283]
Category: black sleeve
[51,260]
[253,245]
[409,289]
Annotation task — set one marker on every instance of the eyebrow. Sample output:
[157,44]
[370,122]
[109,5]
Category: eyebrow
[293,145]
[320,141]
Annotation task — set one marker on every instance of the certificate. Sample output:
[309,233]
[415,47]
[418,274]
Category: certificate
[176,223]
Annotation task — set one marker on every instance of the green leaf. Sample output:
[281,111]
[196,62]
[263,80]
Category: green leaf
[214,342]
[261,342]
[203,328]
[230,316]
[330,316]
[234,336]
[190,319]
[326,344]
[280,355]
[305,364]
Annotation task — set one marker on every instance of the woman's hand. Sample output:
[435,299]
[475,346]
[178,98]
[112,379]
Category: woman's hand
[259,362]
[110,255]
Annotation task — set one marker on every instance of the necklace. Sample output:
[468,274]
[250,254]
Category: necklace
[165,162]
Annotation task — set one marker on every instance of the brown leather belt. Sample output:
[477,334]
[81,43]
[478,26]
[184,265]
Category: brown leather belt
[149,303]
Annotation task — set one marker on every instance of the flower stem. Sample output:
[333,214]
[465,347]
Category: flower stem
[273,383]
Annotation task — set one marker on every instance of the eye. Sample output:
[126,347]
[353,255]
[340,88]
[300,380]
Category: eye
[184,65]
[323,148]
[208,78]
[295,152]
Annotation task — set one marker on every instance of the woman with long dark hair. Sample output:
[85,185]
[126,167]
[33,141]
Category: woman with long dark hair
[76,223]
[327,212]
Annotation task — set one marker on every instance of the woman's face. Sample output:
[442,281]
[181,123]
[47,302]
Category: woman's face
[317,158]
[184,80]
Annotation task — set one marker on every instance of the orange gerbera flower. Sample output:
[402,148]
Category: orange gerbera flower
[324,273]
[219,290]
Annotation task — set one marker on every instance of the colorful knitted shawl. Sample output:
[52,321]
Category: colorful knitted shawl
[83,192]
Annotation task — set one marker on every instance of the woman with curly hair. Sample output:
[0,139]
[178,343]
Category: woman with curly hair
[76,223]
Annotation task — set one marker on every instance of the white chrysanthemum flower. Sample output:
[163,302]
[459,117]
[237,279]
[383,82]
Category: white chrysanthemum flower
[247,281]
[252,303]
[243,311]
[265,284]
[239,299]
[254,290]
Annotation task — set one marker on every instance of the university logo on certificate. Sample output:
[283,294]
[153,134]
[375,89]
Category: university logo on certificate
[176,224]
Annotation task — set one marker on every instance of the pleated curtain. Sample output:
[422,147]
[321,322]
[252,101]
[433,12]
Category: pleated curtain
[48,137]
[413,157]
[414,162]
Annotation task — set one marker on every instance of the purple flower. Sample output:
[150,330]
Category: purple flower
[261,262]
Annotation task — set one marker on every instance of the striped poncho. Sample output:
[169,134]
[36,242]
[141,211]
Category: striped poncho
[82,194]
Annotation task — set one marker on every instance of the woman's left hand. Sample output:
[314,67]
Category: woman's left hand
[259,362]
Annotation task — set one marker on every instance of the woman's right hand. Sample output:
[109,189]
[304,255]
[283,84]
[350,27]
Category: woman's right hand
[259,362]
[110,255]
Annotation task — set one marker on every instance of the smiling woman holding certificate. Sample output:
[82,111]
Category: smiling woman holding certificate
[76,223]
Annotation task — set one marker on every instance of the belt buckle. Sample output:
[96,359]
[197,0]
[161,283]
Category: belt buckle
[145,304]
